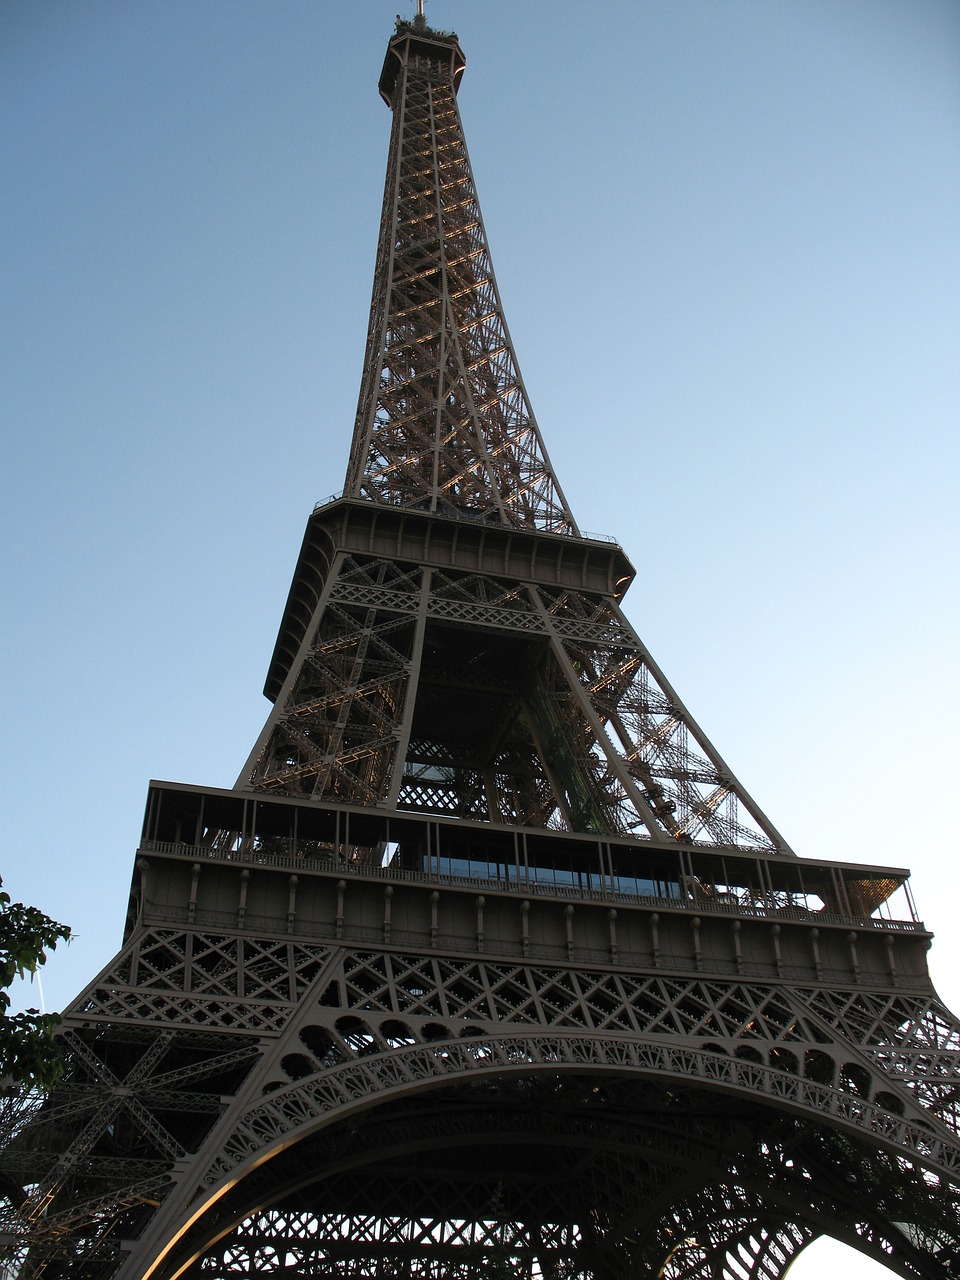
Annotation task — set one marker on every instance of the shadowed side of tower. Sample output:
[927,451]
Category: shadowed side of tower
[488,963]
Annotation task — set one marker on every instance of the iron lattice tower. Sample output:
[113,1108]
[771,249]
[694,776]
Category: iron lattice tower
[488,963]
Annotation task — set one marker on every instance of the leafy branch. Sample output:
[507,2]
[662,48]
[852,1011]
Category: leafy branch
[28,1051]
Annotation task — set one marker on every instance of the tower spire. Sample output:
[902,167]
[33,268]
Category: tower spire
[444,422]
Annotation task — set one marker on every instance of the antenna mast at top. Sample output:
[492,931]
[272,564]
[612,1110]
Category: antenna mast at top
[420,19]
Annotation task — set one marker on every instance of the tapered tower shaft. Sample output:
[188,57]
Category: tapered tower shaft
[451,643]
[444,423]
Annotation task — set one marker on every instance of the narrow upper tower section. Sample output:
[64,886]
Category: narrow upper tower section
[443,424]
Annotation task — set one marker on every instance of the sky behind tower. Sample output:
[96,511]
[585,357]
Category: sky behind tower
[726,239]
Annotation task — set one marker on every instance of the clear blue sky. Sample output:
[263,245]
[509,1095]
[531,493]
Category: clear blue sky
[726,235]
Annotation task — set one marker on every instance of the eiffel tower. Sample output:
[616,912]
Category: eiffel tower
[488,965]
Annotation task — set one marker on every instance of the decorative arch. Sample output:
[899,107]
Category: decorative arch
[342,1093]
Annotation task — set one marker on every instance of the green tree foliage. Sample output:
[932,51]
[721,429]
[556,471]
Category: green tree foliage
[28,1052]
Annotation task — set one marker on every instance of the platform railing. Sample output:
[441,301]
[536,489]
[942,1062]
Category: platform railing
[756,909]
